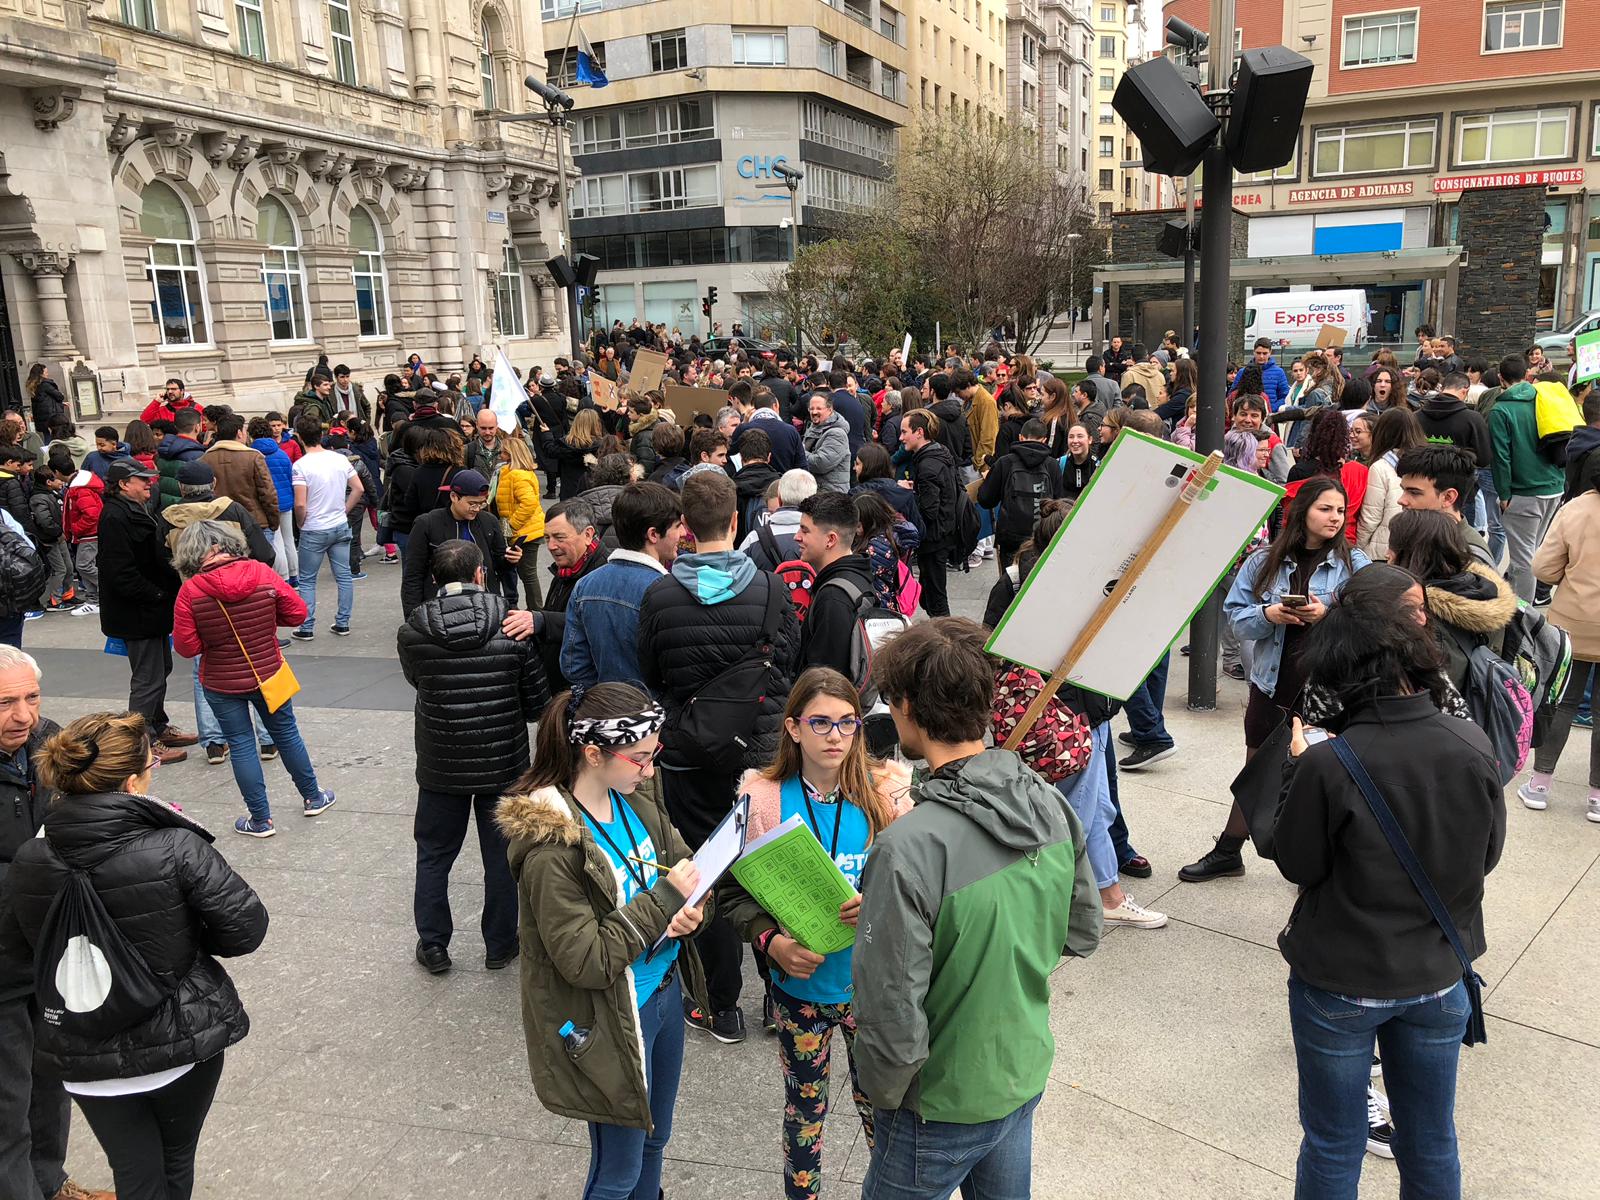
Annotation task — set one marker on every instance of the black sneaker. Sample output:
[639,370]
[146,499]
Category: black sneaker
[433,956]
[267,752]
[1542,594]
[216,753]
[769,1015]
[303,635]
[694,1018]
[1217,863]
[1379,1132]
[727,1026]
[499,962]
[1138,867]
[339,630]
[1127,739]
[1144,756]
[1234,671]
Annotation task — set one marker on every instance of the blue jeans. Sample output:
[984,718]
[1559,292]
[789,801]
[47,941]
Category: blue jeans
[1145,719]
[1089,793]
[1119,825]
[625,1163]
[1420,1041]
[913,1159]
[334,543]
[234,714]
[205,721]
[1491,527]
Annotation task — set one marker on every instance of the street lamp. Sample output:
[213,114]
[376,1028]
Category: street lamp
[1072,287]
[790,178]
[557,104]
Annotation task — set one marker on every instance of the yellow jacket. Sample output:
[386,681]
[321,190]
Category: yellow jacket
[518,502]
[983,422]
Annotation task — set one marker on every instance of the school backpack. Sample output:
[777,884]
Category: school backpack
[875,625]
[1027,488]
[1500,706]
[714,727]
[966,531]
[897,588]
[1557,415]
[1541,655]
[90,979]
[798,577]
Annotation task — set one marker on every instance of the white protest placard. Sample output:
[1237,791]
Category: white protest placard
[505,391]
[1128,498]
[905,350]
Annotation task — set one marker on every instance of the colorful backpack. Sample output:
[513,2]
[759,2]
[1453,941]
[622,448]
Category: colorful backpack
[799,579]
[1061,742]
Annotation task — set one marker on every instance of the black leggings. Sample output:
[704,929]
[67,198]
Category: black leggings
[150,1138]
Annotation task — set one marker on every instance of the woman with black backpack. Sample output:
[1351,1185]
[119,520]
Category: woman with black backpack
[139,1042]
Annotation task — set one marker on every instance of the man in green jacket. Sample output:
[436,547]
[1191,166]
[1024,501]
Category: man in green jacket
[1528,484]
[968,903]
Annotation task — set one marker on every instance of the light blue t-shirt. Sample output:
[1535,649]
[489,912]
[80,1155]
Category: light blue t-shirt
[830,982]
[626,834]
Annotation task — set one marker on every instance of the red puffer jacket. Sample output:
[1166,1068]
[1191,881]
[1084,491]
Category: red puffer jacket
[86,497]
[257,602]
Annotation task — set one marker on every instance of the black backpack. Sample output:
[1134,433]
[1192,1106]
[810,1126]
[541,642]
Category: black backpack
[714,727]
[1027,488]
[90,979]
[967,528]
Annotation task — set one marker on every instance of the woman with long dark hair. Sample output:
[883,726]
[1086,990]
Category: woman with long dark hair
[1394,432]
[1387,389]
[1059,414]
[602,877]
[1437,775]
[1327,452]
[1280,594]
[822,774]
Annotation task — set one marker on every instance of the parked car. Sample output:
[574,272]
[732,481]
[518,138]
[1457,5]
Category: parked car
[1555,344]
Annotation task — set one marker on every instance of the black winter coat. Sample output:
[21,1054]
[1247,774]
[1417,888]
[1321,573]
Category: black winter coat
[48,404]
[994,492]
[15,493]
[439,526]
[684,644]
[953,433]
[477,691]
[553,616]
[830,625]
[933,471]
[173,896]
[902,500]
[1359,927]
[137,583]
[22,806]
[45,506]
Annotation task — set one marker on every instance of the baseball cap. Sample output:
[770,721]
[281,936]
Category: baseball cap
[195,472]
[469,483]
[125,469]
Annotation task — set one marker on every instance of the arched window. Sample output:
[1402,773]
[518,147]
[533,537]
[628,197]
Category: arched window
[372,290]
[179,306]
[508,305]
[486,49]
[282,271]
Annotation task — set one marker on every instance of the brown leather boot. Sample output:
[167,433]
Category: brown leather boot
[71,1190]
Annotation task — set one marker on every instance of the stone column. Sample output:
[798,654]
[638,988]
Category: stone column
[549,309]
[49,271]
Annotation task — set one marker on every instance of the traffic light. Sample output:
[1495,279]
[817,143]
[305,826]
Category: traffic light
[711,296]
[705,307]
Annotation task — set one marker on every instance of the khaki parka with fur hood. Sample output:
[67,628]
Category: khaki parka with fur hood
[577,949]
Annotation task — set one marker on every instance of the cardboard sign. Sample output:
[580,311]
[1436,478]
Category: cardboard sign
[1128,498]
[1587,356]
[1332,335]
[648,366]
[604,392]
[685,401]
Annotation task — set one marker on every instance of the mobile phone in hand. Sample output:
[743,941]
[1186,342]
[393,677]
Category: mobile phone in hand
[1295,601]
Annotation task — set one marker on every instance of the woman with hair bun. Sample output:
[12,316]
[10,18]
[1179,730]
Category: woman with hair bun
[602,876]
[144,1088]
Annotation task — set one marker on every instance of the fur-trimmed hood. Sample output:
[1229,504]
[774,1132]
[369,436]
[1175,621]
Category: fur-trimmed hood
[541,817]
[1478,600]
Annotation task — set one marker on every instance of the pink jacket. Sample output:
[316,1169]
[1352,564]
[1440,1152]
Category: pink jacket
[766,796]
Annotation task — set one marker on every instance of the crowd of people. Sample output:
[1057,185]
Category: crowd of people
[752,601]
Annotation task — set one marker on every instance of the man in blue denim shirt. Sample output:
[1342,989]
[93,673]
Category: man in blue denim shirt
[600,644]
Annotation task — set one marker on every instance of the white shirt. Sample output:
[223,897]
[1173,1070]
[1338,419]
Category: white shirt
[325,476]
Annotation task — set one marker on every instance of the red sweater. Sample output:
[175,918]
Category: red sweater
[257,600]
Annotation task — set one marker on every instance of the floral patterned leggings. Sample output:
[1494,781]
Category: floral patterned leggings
[805,1034]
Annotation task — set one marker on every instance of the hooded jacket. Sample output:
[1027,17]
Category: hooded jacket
[1148,376]
[965,913]
[700,620]
[477,692]
[1446,419]
[176,518]
[1469,610]
[994,491]
[281,468]
[243,475]
[750,486]
[983,427]
[830,624]
[1519,468]
[82,505]
[175,899]
[1359,927]
[257,603]
[1585,441]
[14,495]
[137,583]
[828,453]
[783,523]
[933,472]
[100,462]
[953,433]
[578,945]
[1570,556]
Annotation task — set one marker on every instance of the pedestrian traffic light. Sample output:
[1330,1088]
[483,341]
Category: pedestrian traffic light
[705,307]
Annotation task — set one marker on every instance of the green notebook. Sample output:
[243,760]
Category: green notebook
[789,872]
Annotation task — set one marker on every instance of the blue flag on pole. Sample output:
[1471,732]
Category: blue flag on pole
[589,71]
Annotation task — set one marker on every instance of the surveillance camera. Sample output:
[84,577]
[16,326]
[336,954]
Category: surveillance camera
[552,96]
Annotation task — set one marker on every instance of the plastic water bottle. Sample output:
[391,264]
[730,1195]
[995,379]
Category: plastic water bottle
[574,1038]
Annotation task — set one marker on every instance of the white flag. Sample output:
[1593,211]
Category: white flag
[505,392]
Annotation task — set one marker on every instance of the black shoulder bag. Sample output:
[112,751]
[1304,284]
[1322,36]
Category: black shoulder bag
[1476,1034]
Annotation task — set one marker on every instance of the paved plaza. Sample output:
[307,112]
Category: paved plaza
[364,1077]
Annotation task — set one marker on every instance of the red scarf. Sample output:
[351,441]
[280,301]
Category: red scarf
[577,567]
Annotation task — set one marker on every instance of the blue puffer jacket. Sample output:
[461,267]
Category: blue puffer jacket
[282,471]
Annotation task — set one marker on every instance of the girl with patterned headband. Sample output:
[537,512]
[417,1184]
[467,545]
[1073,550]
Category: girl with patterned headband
[603,877]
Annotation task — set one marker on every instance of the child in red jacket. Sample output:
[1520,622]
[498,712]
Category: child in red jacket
[81,521]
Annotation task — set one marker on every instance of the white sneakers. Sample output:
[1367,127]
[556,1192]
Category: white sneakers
[1131,915]
[1538,799]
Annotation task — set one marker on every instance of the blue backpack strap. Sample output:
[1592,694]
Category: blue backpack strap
[1396,837]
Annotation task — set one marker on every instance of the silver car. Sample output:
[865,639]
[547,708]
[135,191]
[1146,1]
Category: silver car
[1554,345]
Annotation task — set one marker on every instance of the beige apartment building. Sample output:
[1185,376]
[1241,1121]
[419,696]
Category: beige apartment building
[222,190]
[1050,52]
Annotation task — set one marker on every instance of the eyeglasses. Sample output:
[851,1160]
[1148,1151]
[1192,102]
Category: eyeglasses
[635,763]
[821,726]
[465,503]
[155,761]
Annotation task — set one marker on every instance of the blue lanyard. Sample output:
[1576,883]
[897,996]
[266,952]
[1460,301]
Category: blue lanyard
[806,791]
[620,810]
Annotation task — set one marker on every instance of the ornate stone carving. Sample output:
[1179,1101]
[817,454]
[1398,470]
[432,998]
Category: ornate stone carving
[39,261]
[219,144]
[370,168]
[521,185]
[337,167]
[49,266]
[124,131]
[51,106]
[244,152]
[496,182]
[403,177]
[283,153]
[176,134]
[315,162]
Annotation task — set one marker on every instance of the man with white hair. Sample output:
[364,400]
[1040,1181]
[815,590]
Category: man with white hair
[34,1109]
[773,542]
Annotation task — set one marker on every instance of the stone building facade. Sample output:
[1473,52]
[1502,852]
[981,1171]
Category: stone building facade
[224,191]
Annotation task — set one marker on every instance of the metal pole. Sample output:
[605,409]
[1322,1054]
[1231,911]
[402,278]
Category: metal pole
[794,255]
[1216,238]
[558,125]
[1188,265]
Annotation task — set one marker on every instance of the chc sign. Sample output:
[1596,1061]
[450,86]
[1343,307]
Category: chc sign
[759,166]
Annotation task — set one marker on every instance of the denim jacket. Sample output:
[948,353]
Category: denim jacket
[601,641]
[1247,614]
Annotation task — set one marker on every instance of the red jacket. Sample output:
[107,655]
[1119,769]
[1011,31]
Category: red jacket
[84,502]
[257,600]
[158,409]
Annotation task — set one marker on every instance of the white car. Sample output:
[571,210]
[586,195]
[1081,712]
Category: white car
[1555,344]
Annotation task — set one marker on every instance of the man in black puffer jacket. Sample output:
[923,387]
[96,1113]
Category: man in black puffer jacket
[477,690]
[693,625]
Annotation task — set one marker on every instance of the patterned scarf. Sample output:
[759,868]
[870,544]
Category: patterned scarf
[577,568]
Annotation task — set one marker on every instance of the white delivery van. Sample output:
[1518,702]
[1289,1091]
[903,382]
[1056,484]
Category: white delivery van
[1296,318]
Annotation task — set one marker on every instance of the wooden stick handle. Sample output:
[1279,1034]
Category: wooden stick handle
[1195,484]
